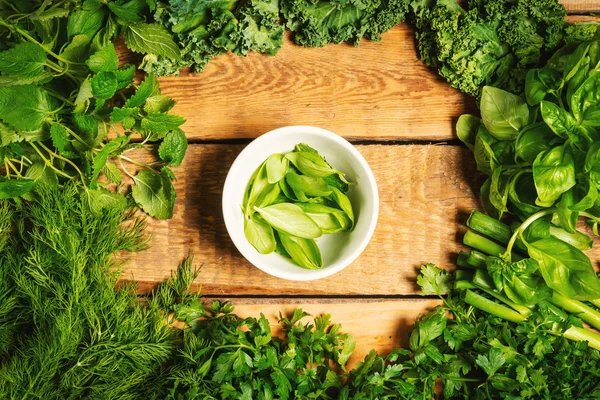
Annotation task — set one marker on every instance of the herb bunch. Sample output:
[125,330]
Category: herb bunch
[68,111]
[292,199]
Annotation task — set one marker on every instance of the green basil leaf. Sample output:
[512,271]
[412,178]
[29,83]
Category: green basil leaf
[303,252]
[566,217]
[560,121]
[526,290]
[575,60]
[466,129]
[259,234]
[270,195]
[289,218]
[308,185]
[329,219]
[585,102]
[565,269]
[277,167]
[553,174]
[482,150]
[499,190]
[257,189]
[503,113]
[344,203]
[532,140]
[522,193]
[311,164]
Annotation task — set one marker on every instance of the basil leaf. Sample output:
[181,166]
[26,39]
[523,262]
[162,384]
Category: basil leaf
[565,269]
[289,218]
[585,102]
[466,129]
[277,167]
[258,184]
[308,185]
[311,164]
[259,234]
[522,193]
[503,113]
[304,252]
[532,140]
[499,190]
[329,219]
[344,203]
[553,174]
[566,217]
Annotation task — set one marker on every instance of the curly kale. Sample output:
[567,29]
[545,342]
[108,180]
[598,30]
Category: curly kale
[317,23]
[205,29]
[490,42]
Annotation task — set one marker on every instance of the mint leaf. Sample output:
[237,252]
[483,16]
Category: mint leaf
[154,193]
[104,60]
[125,76]
[25,60]
[173,148]
[113,173]
[77,50]
[159,104]
[99,199]
[433,280]
[120,114]
[145,90]
[161,123]
[60,137]
[129,12]
[24,107]
[111,148]
[86,21]
[151,39]
[16,188]
[104,85]
[493,362]
[83,96]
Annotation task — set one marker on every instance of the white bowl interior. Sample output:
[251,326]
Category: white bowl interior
[338,250]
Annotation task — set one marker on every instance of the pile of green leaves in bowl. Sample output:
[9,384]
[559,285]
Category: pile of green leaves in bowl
[291,200]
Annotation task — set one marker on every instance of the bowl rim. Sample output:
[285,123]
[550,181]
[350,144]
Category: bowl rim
[302,274]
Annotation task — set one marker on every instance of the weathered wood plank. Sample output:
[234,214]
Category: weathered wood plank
[380,325]
[581,6]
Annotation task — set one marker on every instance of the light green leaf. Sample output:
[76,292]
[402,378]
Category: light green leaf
[99,199]
[553,174]
[146,89]
[303,252]
[277,167]
[311,164]
[113,173]
[154,193]
[159,124]
[466,129]
[151,39]
[173,148]
[159,104]
[290,219]
[503,113]
[129,12]
[110,149]
[87,20]
[60,137]
[329,219]
[83,96]
[308,185]
[25,60]
[344,203]
[104,60]
[260,235]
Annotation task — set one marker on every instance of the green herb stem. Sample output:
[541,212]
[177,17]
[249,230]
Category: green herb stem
[595,302]
[476,259]
[485,245]
[585,312]
[462,260]
[519,231]
[581,334]
[491,307]
[49,163]
[71,163]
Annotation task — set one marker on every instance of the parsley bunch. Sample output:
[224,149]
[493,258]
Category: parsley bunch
[69,111]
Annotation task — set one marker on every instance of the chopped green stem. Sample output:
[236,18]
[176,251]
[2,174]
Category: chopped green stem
[484,285]
[595,302]
[581,310]
[476,259]
[463,275]
[491,307]
[491,228]
[482,279]
[485,245]
[462,260]
[519,231]
[464,284]
[581,334]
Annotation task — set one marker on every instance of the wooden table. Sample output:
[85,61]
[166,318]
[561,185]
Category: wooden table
[398,113]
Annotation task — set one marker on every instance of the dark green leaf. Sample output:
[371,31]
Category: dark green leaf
[154,193]
[25,60]
[15,188]
[24,107]
[159,124]
[104,85]
[503,113]
[173,148]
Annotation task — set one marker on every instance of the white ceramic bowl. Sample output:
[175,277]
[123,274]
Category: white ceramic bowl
[338,250]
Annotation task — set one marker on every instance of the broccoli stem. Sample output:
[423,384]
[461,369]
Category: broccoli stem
[491,307]
[586,313]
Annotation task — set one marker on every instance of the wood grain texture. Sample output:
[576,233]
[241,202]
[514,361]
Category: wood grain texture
[378,325]
[581,6]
